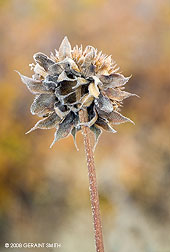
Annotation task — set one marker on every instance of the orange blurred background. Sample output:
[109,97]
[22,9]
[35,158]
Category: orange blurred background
[44,192]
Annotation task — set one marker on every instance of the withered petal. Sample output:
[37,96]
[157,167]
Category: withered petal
[34,86]
[55,69]
[43,104]
[89,57]
[117,94]
[65,49]
[47,123]
[43,60]
[113,80]
[116,118]
[80,82]
[86,100]
[103,104]
[63,77]
[104,124]
[40,71]
[60,113]
[94,90]
[90,51]
[73,133]
[64,128]
[97,132]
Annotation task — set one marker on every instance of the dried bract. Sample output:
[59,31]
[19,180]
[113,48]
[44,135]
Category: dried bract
[72,80]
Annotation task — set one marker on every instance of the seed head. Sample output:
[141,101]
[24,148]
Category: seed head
[71,80]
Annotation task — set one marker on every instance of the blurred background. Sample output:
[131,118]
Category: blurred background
[44,192]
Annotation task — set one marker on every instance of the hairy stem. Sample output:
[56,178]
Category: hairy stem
[94,197]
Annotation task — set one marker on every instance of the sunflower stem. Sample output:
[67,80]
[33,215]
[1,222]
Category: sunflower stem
[94,197]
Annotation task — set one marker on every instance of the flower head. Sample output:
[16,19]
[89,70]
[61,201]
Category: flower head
[72,80]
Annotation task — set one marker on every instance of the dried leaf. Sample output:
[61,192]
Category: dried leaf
[65,49]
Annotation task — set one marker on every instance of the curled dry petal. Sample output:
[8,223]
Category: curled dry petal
[93,90]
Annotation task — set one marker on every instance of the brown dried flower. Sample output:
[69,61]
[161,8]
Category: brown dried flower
[72,80]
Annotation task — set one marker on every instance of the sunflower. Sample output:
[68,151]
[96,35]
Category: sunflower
[72,80]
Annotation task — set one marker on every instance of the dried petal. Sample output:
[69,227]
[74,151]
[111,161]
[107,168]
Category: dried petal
[40,70]
[104,125]
[93,90]
[34,86]
[117,118]
[70,66]
[43,60]
[87,100]
[63,77]
[47,123]
[55,69]
[61,111]
[80,82]
[65,128]
[103,104]
[105,67]
[113,80]
[43,104]
[73,133]
[117,94]
[65,49]
[89,56]
[97,132]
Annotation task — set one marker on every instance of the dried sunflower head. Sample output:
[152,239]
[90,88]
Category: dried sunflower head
[75,79]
